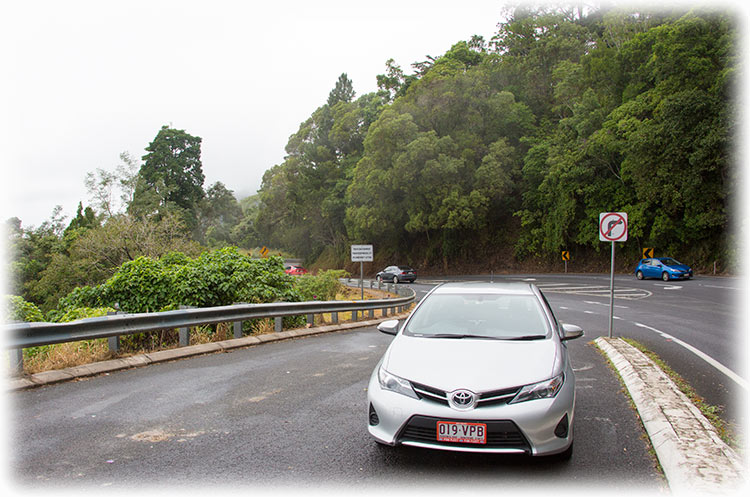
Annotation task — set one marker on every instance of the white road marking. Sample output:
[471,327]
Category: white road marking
[605,304]
[722,287]
[713,362]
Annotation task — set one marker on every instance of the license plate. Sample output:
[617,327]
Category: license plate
[474,433]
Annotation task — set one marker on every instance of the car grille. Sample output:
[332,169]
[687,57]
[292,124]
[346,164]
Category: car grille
[503,434]
[494,397]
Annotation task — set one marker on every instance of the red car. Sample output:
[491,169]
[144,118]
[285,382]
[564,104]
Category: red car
[296,270]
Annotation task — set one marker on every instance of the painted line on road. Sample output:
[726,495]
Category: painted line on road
[722,287]
[605,304]
[713,362]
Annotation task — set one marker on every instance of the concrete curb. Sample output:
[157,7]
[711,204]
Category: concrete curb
[103,367]
[689,449]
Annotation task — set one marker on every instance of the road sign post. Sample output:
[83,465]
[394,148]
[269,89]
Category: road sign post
[566,258]
[613,227]
[361,254]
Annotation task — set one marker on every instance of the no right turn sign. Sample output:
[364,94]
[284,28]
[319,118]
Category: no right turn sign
[613,226]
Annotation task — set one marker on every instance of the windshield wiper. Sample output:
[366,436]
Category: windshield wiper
[452,335]
[528,337]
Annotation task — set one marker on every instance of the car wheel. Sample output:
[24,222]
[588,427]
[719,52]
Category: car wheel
[565,455]
[665,276]
[395,280]
[639,275]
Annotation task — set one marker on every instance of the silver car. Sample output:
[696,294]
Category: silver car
[477,367]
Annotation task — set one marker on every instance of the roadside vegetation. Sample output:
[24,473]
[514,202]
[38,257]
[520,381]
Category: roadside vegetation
[102,300]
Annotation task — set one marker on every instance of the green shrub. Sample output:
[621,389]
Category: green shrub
[324,286]
[219,277]
[15,308]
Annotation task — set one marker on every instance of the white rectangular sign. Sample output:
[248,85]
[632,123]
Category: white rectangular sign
[361,253]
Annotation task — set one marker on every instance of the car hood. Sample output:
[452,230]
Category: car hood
[476,364]
[680,267]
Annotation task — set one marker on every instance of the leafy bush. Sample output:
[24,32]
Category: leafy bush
[15,308]
[220,277]
[324,286]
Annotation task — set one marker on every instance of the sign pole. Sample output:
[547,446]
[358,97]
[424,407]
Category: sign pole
[362,278]
[613,227]
[612,292]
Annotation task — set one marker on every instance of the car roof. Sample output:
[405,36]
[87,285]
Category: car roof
[501,287]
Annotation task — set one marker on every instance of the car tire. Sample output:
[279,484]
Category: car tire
[395,280]
[565,455]
[665,276]
[639,275]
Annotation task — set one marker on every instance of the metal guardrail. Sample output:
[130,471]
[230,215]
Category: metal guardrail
[19,336]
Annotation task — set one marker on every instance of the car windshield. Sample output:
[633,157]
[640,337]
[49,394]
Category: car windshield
[668,261]
[486,316]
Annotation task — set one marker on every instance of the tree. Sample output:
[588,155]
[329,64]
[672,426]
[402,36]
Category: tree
[102,185]
[342,92]
[171,177]
[219,213]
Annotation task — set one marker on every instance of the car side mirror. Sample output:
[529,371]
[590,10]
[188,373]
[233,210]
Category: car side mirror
[389,327]
[571,332]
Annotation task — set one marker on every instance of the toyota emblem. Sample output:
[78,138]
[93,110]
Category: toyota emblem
[462,399]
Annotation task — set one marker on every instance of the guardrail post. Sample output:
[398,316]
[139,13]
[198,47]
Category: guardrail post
[371,313]
[238,329]
[335,317]
[16,360]
[278,324]
[355,316]
[311,319]
[184,333]
[113,343]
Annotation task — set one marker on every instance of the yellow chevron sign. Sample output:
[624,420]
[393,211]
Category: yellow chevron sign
[648,253]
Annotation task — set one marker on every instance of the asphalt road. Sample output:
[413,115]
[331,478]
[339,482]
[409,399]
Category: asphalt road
[293,413]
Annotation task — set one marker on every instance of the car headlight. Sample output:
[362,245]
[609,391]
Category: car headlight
[393,383]
[542,390]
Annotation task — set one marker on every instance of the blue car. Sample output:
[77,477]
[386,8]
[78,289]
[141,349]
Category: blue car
[665,268]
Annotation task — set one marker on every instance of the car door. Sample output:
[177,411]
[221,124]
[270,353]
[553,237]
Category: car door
[648,269]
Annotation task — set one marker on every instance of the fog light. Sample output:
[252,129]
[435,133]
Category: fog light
[561,430]
[374,420]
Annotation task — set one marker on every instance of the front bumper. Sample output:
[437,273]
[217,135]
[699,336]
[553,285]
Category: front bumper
[527,427]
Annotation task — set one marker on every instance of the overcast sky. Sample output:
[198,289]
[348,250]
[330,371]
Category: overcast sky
[91,79]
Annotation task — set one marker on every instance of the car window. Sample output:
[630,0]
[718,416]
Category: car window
[479,315]
[668,261]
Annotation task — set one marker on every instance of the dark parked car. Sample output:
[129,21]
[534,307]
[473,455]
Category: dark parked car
[665,268]
[397,274]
